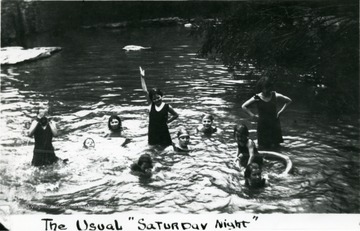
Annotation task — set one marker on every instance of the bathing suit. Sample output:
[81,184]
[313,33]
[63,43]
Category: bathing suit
[268,126]
[158,129]
[245,156]
[44,151]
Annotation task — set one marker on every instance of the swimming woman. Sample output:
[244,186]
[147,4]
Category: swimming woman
[142,166]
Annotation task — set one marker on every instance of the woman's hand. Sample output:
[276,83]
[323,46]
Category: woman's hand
[142,72]
[237,158]
[143,84]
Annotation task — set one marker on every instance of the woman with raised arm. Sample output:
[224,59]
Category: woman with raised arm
[43,129]
[159,111]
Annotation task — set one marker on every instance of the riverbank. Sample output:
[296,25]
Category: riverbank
[21,19]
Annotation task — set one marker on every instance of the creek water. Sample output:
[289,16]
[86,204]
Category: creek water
[93,77]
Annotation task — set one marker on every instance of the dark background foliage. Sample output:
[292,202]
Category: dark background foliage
[316,43]
[20,18]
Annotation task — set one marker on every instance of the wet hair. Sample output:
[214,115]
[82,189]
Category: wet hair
[155,91]
[181,132]
[264,82]
[116,118]
[208,116]
[247,174]
[241,129]
[145,158]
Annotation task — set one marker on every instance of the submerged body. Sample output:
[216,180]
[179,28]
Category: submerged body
[206,126]
[143,166]
[253,176]
[183,141]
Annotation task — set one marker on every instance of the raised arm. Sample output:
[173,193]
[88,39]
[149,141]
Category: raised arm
[173,113]
[142,76]
[32,128]
[143,84]
[287,101]
[53,128]
[247,104]
[41,113]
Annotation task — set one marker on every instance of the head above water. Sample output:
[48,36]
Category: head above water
[264,85]
[145,162]
[156,96]
[184,137]
[114,123]
[207,120]
[253,176]
[89,143]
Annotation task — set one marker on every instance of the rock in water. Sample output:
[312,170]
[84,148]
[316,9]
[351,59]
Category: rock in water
[134,48]
[14,55]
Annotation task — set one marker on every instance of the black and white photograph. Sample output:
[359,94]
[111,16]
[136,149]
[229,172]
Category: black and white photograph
[178,108]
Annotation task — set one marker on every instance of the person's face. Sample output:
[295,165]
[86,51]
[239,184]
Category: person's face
[255,176]
[241,138]
[206,122]
[43,112]
[157,99]
[184,140]
[266,90]
[89,143]
[114,124]
[146,167]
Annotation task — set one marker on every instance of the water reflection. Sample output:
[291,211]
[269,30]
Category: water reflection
[89,81]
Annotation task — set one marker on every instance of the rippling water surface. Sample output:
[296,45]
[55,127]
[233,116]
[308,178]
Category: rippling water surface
[93,78]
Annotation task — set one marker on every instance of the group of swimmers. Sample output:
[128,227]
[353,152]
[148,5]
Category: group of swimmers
[268,131]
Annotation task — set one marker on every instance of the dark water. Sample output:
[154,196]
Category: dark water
[93,77]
